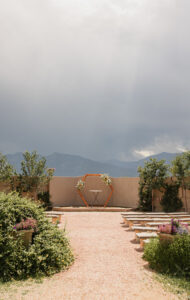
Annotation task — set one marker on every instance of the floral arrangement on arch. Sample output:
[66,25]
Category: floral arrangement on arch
[106,179]
[175,227]
[80,185]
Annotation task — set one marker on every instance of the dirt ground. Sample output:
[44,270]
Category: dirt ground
[107,266]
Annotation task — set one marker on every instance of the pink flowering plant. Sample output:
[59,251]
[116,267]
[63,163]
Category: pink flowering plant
[175,227]
[26,224]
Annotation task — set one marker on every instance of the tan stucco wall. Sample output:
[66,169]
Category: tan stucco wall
[64,193]
[4,187]
[186,202]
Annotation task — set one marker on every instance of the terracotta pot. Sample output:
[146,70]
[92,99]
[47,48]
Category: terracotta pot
[26,236]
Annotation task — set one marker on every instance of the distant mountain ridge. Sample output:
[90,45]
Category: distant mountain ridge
[74,165]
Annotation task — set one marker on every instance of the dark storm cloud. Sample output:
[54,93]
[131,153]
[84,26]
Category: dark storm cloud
[102,79]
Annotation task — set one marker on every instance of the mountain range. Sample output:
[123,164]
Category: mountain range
[74,165]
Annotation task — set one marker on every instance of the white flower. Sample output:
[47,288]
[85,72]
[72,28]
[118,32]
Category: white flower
[80,185]
[106,179]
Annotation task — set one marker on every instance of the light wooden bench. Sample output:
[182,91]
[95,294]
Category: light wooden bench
[148,216]
[126,221]
[179,216]
[142,221]
[138,229]
[178,213]
[145,235]
[141,214]
[154,213]
[54,214]
[54,218]
[145,242]
[158,216]
[153,224]
[150,224]
[185,220]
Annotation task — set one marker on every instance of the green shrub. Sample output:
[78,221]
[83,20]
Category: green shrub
[173,258]
[49,252]
[170,201]
[44,197]
[152,177]
[145,198]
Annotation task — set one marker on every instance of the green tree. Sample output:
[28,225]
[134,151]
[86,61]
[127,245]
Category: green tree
[6,170]
[181,170]
[170,200]
[34,173]
[152,176]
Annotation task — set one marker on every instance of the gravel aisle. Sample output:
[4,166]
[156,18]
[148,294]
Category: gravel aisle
[107,265]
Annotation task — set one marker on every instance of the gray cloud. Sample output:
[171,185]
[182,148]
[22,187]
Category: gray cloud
[103,79]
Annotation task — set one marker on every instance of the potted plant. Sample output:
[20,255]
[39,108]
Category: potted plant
[167,232]
[25,229]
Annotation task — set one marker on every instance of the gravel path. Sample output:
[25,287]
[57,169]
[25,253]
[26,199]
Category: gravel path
[107,264]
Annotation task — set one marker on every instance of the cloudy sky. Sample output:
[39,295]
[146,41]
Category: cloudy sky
[102,79]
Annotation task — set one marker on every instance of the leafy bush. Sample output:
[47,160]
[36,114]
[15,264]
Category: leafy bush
[166,257]
[152,176]
[49,252]
[145,198]
[44,198]
[34,174]
[6,170]
[170,200]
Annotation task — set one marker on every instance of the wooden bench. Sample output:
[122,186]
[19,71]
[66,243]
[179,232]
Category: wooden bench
[179,216]
[185,220]
[153,224]
[141,214]
[157,216]
[54,218]
[126,221]
[179,213]
[148,216]
[142,221]
[145,242]
[145,235]
[155,213]
[138,229]
[138,220]
[54,214]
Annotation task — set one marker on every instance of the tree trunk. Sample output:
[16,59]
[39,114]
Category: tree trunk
[186,208]
[152,200]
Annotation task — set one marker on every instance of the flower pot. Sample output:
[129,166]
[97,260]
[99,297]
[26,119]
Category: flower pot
[26,236]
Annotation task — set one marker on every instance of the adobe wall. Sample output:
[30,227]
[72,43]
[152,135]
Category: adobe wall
[4,187]
[186,204]
[63,191]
